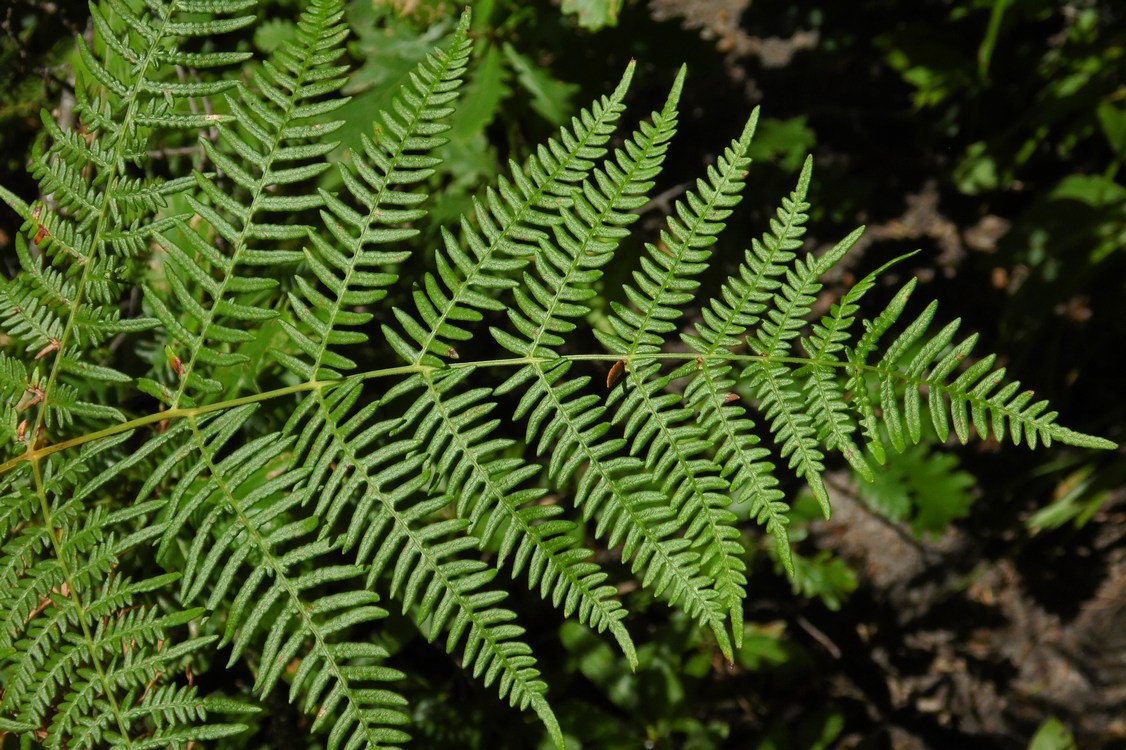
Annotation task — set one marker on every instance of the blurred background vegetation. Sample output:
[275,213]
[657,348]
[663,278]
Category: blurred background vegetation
[969,599]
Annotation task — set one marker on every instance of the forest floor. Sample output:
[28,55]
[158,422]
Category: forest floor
[945,647]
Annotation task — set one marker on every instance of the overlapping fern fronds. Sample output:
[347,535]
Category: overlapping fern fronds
[87,649]
[236,415]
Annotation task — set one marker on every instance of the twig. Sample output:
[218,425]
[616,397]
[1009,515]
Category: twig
[816,634]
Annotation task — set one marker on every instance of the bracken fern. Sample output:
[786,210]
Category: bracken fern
[203,448]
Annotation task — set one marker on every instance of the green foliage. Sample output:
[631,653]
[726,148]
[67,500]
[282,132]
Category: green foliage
[818,733]
[241,418]
[511,89]
[594,14]
[923,488]
[1079,497]
[652,693]
[1052,735]
[1030,94]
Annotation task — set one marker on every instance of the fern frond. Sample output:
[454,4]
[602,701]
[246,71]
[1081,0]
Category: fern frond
[653,421]
[76,645]
[268,145]
[349,269]
[244,538]
[512,221]
[442,591]
[742,300]
[265,520]
[979,401]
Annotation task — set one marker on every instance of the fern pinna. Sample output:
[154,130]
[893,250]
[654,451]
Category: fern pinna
[206,446]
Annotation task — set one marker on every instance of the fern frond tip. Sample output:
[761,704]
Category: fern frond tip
[749,129]
[1079,439]
[678,84]
[17,204]
[624,83]
[805,177]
